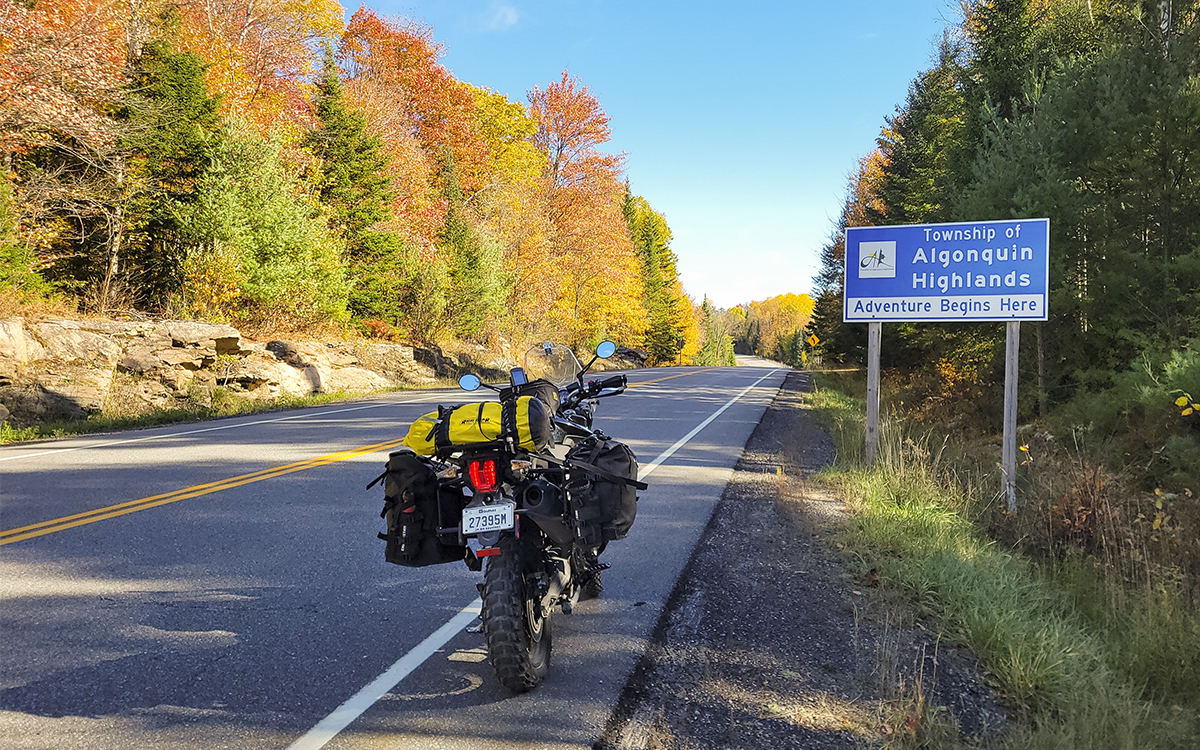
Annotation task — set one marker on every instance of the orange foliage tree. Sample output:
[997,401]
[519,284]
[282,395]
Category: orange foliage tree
[61,63]
[599,290]
[259,52]
[480,185]
[424,116]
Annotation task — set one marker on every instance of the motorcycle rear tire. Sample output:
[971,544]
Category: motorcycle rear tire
[518,638]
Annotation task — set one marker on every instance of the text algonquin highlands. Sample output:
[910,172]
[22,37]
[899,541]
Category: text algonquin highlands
[968,271]
[289,169]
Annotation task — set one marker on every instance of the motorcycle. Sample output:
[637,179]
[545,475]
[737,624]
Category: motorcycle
[526,490]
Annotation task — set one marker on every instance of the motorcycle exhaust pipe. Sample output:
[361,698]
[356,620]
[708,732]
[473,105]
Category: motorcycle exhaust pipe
[542,498]
[544,506]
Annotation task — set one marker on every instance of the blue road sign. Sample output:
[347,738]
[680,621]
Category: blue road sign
[967,271]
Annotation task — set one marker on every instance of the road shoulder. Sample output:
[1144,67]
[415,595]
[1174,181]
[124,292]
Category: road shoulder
[768,639]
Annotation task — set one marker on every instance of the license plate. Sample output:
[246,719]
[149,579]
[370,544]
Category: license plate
[488,518]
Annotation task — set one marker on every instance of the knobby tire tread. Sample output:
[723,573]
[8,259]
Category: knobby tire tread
[594,586]
[520,665]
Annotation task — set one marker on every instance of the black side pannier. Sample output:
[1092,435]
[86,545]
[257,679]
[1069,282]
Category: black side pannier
[415,509]
[604,484]
[541,388]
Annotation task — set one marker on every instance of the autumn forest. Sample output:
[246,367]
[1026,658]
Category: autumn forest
[273,165]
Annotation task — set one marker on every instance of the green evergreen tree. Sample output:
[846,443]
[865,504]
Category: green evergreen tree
[652,240]
[1107,152]
[477,284]
[353,181]
[840,342]
[926,153]
[717,347]
[174,121]
[1000,32]
[259,239]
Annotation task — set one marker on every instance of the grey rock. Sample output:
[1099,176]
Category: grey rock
[31,404]
[221,338]
[17,347]
[353,380]
[190,358]
[636,357]
[67,341]
[437,360]
[139,360]
[64,369]
[283,350]
[394,361]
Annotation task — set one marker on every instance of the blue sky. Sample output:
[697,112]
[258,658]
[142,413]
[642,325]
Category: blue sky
[741,122]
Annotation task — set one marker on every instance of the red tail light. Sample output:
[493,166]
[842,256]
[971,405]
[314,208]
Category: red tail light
[483,475]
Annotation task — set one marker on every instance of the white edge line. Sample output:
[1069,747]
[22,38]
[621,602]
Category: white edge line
[216,429]
[230,427]
[684,440]
[343,715]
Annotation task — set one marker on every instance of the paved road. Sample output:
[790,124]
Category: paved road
[220,584]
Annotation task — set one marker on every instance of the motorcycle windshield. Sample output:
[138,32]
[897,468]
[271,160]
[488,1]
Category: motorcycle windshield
[553,362]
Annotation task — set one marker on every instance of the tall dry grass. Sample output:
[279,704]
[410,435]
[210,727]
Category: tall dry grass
[1085,625]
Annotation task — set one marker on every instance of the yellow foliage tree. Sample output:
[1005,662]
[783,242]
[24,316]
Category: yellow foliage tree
[259,52]
[772,322]
[592,257]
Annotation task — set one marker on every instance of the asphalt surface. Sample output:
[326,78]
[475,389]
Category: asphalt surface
[245,610]
[771,640]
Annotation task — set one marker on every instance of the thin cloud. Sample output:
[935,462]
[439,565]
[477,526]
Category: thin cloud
[501,17]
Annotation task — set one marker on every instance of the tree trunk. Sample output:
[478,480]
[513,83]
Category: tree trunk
[116,236]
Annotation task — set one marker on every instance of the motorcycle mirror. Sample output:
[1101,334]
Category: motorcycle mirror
[606,349]
[470,382]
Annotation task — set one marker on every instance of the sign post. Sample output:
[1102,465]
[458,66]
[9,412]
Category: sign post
[874,334]
[1012,345]
[975,271]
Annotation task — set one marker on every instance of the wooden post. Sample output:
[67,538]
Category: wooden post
[873,335]
[1011,352]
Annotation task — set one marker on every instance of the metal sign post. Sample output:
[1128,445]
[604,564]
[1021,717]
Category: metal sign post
[874,334]
[975,271]
[1012,348]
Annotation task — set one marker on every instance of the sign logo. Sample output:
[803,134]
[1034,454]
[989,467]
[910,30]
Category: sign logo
[877,260]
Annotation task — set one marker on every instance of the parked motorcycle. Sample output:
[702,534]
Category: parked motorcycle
[525,483]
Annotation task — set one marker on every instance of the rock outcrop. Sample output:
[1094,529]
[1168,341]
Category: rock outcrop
[60,370]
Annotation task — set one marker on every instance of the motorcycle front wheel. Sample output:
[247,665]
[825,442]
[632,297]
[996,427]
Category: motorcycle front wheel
[517,632]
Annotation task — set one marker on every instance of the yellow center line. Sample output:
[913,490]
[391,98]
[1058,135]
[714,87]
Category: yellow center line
[668,377]
[9,536]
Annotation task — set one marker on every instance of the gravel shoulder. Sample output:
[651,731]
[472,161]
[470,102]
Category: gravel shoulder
[770,640]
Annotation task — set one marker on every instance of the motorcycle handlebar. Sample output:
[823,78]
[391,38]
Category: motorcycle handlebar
[616,381]
[574,393]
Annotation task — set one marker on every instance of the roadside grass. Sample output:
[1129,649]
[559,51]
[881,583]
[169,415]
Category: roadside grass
[223,405]
[1080,658]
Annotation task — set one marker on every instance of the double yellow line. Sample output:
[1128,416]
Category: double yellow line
[9,536]
[669,377]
